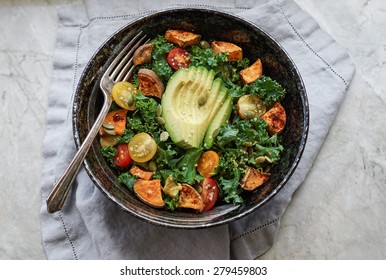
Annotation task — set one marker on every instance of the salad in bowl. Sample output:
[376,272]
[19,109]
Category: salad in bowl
[209,128]
[198,125]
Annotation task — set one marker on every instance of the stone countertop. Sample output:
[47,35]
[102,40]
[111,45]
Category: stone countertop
[337,213]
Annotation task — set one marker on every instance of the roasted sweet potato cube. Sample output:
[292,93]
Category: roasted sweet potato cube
[140,173]
[252,73]
[182,38]
[149,83]
[275,118]
[253,179]
[149,192]
[114,123]
[234,52]
[143,54]
[190,198]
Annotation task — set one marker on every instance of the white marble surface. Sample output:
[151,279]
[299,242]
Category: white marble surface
[337,213]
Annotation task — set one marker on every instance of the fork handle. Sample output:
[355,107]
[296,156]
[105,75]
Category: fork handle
[58,195]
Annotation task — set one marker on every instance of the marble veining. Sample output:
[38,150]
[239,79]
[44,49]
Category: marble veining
[337,213]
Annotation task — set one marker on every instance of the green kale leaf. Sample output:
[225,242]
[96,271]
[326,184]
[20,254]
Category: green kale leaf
[108,153]
[144,118]
[230,190]
[270,148]
[228,71]
[159,65]
[181,165]
[171,203]
[162,69]
[127,179]
[163,158]
[242,133]
[184,168]
[161,47]
[227,134]
[206,58]
[267,89]
[125,137]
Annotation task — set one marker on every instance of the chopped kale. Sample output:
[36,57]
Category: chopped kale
[108,153]
[159,65]
[171,203]
[144,118]
[230,188]
[127,179]
[268,90]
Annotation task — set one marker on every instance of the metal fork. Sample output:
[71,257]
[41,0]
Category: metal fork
[119,70]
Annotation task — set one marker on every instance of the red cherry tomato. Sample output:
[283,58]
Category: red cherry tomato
[209,193]
[178,58]
[122,158]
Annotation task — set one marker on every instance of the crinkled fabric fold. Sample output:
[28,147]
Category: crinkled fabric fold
[92,227]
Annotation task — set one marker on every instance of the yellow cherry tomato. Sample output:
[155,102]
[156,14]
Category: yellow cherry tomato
[250,106]
[142,147]
[123,94]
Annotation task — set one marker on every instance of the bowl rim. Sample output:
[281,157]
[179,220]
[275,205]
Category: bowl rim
[170,222]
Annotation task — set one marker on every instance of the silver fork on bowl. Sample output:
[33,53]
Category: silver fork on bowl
[120,69]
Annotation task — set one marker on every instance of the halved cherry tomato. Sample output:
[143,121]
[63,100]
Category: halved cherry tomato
[142,147]
[250,106]
[208,163]
[123,94]
[178,58]
[122,158]
[209,193]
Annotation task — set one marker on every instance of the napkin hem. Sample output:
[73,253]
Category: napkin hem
[67,235]
[280,3]
[251,231]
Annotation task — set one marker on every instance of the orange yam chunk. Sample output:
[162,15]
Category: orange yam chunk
[234,52]
[149,192]
[117,119]
[252,73]
[182,38]
[150,84]
[275,118]
[190,198]
[143,54]
[142,174]
[254,179]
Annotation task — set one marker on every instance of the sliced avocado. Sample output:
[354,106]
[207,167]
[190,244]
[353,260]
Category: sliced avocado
[221,117]
[171,188]
[190,102]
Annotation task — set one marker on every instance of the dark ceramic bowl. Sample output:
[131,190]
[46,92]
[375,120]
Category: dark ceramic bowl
[210,24]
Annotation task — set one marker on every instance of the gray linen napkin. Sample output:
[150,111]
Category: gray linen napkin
[90,226]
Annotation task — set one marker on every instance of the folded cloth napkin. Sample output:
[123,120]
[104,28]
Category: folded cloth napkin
[90,226]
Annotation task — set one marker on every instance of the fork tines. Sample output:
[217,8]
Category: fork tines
[119,69]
